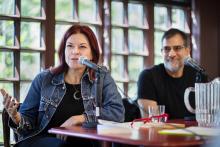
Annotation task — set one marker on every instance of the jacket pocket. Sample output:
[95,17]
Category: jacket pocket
[43,105]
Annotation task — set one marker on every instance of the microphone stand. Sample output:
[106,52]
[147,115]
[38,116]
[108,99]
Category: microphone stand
[201,76]
[99,76]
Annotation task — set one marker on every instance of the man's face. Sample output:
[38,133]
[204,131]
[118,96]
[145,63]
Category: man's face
[174,52]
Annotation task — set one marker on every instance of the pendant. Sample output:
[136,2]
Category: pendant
[75,95]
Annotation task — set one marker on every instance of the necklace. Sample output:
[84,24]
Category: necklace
[76,94]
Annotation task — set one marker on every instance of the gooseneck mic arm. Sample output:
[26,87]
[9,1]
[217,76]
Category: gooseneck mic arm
[99,77]
[98,92]
[200,71]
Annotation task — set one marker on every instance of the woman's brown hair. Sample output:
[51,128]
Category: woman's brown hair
[63,67]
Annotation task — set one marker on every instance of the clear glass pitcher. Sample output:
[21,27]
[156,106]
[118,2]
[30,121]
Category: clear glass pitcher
[207,103]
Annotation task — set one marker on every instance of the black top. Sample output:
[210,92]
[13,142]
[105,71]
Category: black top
[155,84]
[68,107]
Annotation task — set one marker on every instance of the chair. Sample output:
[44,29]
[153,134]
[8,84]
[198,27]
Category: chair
[131,110]
[6,128]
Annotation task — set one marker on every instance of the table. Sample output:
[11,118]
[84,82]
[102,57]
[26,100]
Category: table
[144,137]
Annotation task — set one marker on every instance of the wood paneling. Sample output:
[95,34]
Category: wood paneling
[206,30]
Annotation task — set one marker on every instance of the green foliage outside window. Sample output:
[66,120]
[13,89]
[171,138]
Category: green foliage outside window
[6,65]
[7,7]
[31,8]
[6,33]
[64,9]
[87,10]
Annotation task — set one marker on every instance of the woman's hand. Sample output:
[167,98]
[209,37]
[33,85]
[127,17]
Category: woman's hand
[11,106]
[72,121]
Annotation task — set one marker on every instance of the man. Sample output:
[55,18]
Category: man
[165,84]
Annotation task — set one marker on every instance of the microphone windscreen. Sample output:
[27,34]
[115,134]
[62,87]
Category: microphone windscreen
[82,59]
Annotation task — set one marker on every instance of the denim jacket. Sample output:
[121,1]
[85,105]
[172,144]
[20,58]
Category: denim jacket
[47,91]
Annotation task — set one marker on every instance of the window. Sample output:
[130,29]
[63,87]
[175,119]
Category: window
[166,17]
[70,12]
[21,45]
[129,33]
[128,43]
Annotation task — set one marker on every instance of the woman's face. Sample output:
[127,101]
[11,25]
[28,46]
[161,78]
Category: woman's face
[77,45]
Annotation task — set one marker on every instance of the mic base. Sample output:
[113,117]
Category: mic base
[90,125]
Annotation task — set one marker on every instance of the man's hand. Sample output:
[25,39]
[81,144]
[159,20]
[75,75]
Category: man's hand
[143,106]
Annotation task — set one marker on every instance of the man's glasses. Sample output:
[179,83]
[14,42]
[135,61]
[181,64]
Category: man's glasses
[176,48]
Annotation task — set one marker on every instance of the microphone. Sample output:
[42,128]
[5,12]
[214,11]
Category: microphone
[189,61]
[98,89]
[85,61]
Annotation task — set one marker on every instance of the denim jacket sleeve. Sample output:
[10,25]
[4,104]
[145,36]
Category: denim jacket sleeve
[112,106]
[29,108]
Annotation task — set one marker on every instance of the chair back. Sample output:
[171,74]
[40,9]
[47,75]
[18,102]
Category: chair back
[131,110]
[6,128]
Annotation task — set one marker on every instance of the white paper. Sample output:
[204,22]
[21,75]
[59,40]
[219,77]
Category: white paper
[192,131]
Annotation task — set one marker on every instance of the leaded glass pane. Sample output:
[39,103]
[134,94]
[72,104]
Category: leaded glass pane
[7,7]
[117,40]
[59,33]
[136,41]
[160,17]
[117,14]
[31,8]
[6,33]
[117,67]
[24,87]
[64,9]
[157,46]
[135,14]
[178,19]
[135,66]
[6,65]
[30,65]
[87,10]
[30,34]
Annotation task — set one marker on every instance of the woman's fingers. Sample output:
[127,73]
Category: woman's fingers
[16,105]
[10,103]
[7,100]
[12,109]
[3,94]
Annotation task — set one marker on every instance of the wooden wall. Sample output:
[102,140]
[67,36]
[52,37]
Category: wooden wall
[206,31]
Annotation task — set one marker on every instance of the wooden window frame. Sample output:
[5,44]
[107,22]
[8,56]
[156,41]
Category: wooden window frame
[103,26]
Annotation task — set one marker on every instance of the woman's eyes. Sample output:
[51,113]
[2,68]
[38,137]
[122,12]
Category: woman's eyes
[82,46]
[68,45]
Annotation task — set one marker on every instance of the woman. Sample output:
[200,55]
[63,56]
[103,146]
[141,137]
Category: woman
[64,95]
